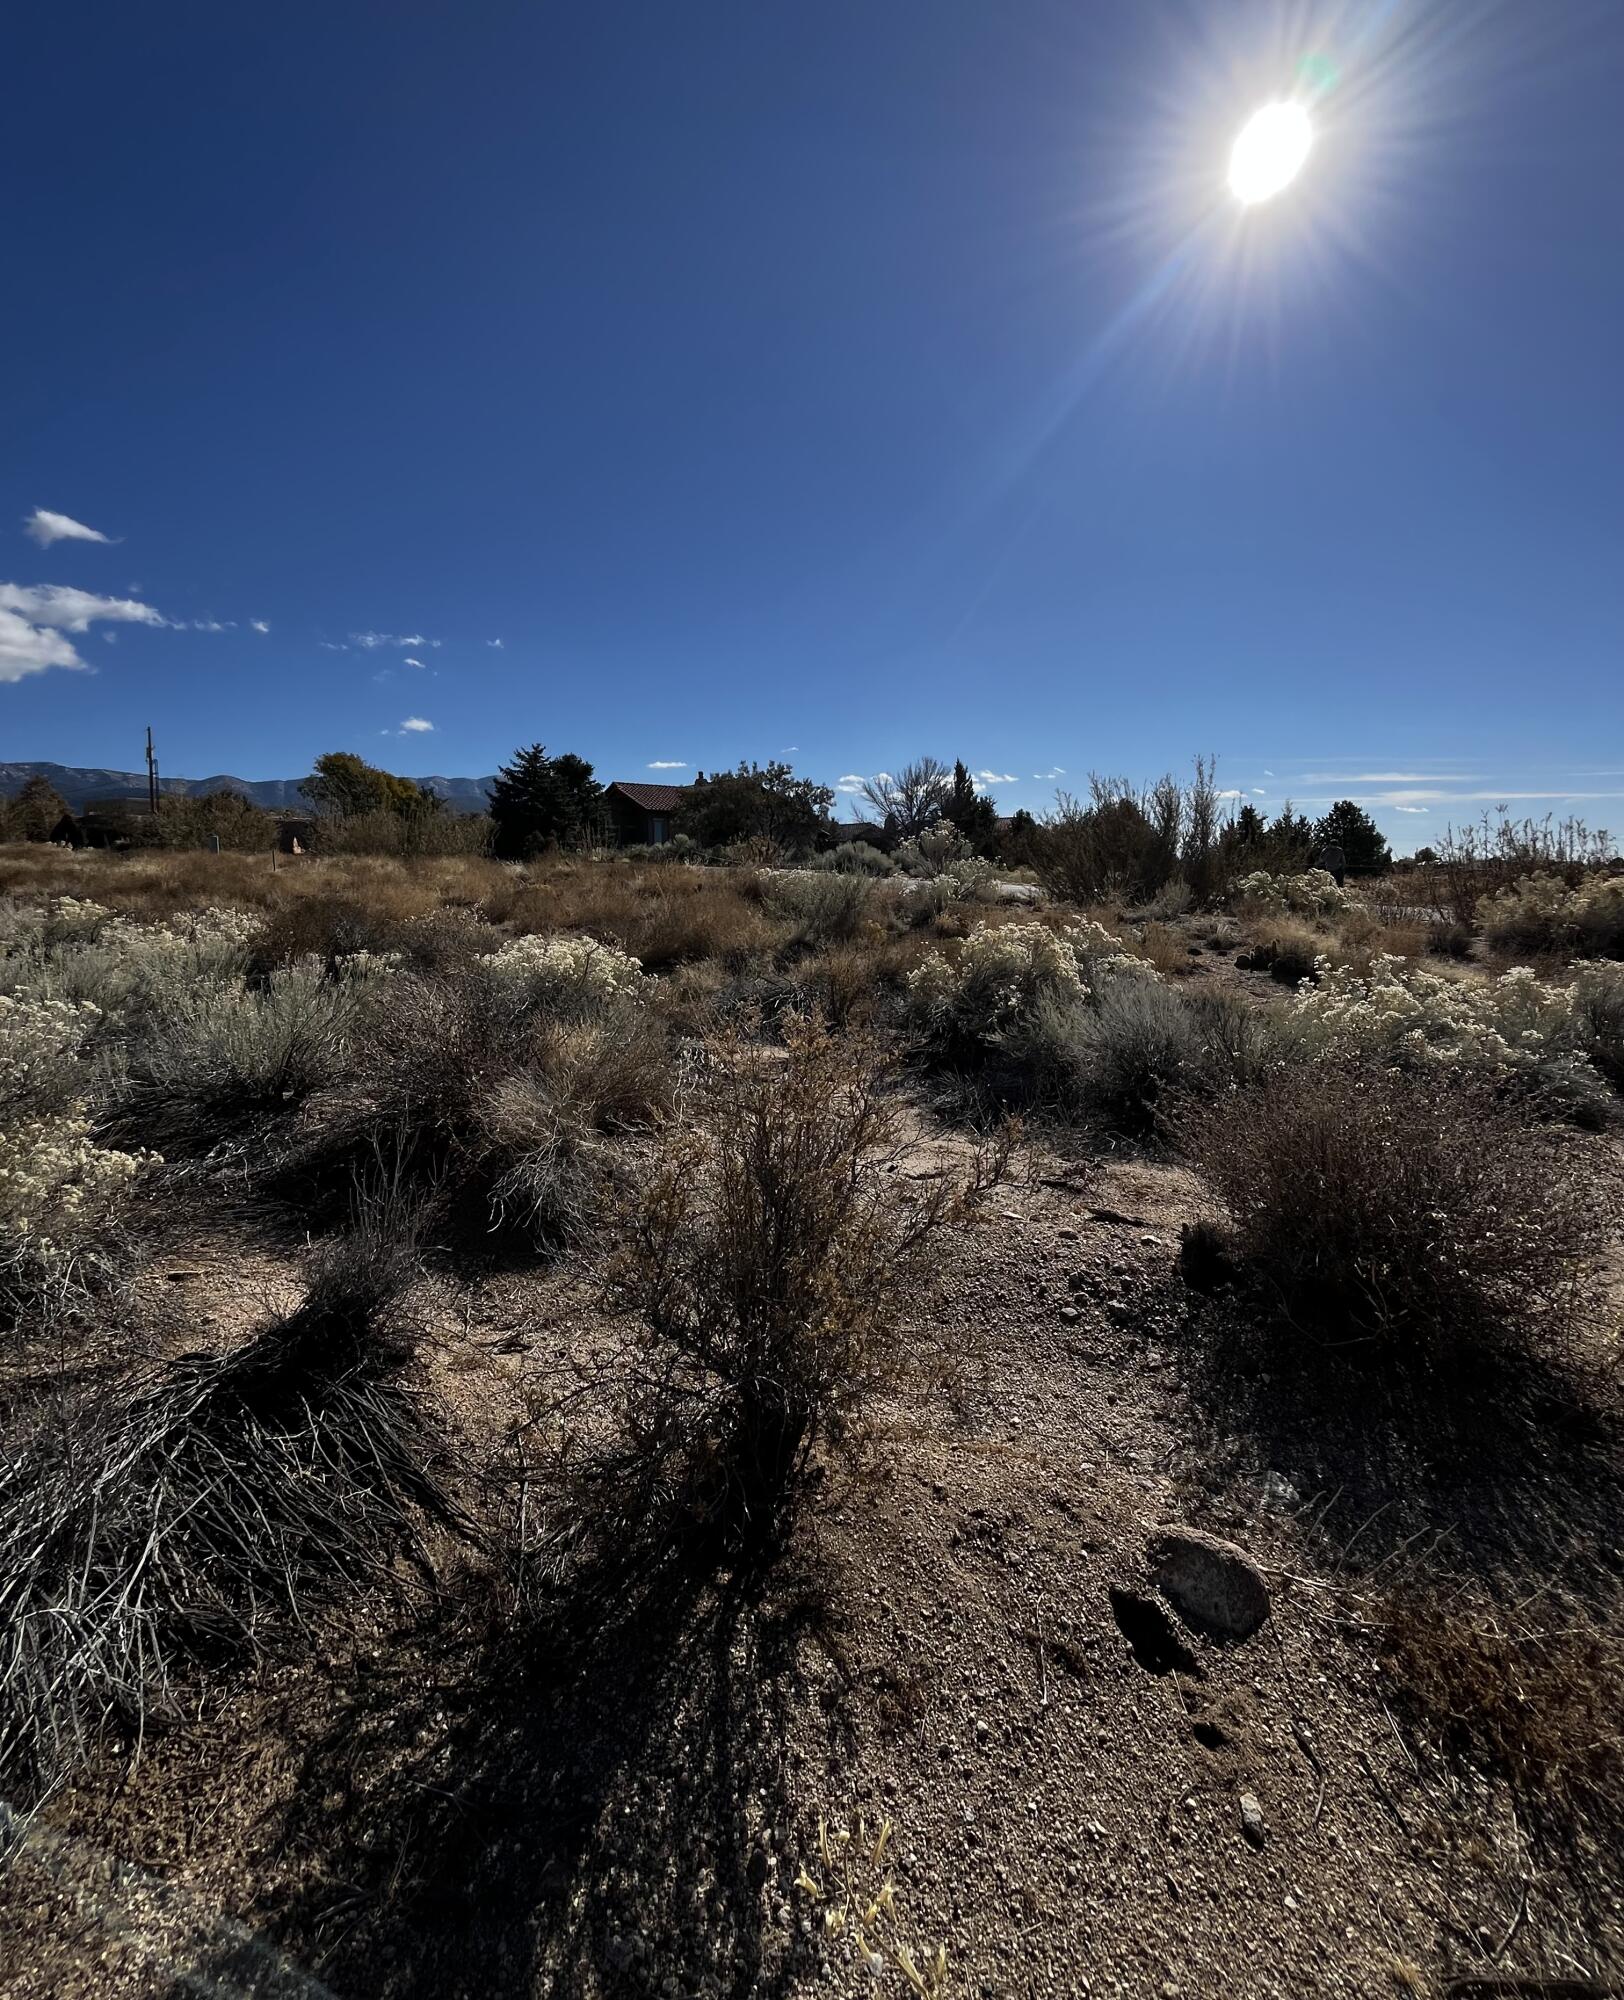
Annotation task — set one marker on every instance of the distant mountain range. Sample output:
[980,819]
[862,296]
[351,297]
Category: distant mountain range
[78,784]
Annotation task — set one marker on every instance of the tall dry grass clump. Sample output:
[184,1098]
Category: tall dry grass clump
[173,1521]
[1529,1694]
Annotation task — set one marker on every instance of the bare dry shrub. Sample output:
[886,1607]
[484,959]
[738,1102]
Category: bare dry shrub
[1534,1703]
[174,1521]
[1401,1206]
[770,1264]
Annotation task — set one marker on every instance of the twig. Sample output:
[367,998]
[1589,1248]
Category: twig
[1381,1790]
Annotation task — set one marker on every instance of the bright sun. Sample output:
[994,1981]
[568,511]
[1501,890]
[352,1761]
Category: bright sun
[1270,152]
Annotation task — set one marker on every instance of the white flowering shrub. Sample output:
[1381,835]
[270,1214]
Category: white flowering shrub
[1516,1030]
[934,851]
[564,970]
[1542,914]
[122,966]
[59,1189]
[41,1043]
[1311,894]
[1598,1017]
[1003,973]
[32,927]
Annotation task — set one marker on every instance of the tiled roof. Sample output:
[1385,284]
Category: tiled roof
[652,798]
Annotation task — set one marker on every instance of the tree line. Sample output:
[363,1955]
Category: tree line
[1118,840]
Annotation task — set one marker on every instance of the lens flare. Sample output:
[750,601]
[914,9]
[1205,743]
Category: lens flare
[1269,154]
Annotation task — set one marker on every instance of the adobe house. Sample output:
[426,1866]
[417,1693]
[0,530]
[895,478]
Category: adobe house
[641,814]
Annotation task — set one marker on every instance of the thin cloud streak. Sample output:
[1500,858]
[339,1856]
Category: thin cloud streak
[45,527]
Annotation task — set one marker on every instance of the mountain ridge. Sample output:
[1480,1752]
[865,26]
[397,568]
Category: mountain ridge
[79,783]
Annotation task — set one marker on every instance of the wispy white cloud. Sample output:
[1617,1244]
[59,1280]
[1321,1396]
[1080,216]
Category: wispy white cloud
[998,777]
[1048,777]
[65,609]
[410,662]
[497,643]
[1258,792]
[34,617]
[1396,801]
[1230,794]
[370,641]
[260,624]
[1268,773]
[202,625]
[414,725]
[851,782]
[1412,809]
[668,764]
[46,527]
[331,646]
[1388,778]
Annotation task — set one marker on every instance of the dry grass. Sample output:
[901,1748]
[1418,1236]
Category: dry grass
[1536,1703]
[1167,949]
[1285,947]
[496,1113]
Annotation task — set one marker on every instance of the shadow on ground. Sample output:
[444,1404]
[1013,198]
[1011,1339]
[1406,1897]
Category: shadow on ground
[569,1812]
[1497,1465]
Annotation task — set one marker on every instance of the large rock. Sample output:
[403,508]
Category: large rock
[1212,1585]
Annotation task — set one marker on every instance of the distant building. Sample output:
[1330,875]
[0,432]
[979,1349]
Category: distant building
[640,815]
[107,823]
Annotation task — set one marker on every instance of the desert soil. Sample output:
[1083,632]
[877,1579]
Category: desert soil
[963,1642]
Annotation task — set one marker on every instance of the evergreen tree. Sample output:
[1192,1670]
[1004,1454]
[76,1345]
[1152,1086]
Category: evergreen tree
[974,813]
[36,810]
[539,801]
[1249,825]
[1362,842]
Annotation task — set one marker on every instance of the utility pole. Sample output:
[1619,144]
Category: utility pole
[152,775]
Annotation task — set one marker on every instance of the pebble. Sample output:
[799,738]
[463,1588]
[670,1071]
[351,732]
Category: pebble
[1253,1824]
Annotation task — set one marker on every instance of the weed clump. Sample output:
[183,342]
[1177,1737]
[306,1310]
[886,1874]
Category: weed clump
[496,1090]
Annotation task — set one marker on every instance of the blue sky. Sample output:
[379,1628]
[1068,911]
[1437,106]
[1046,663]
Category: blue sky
[677,384]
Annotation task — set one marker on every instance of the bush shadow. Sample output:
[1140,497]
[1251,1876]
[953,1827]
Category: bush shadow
[587,1802]
[1495,1462]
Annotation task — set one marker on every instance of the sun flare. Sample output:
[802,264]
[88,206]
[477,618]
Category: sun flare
[1269,153]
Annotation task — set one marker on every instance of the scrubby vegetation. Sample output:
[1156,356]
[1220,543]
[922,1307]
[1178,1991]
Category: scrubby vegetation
[615,1217]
